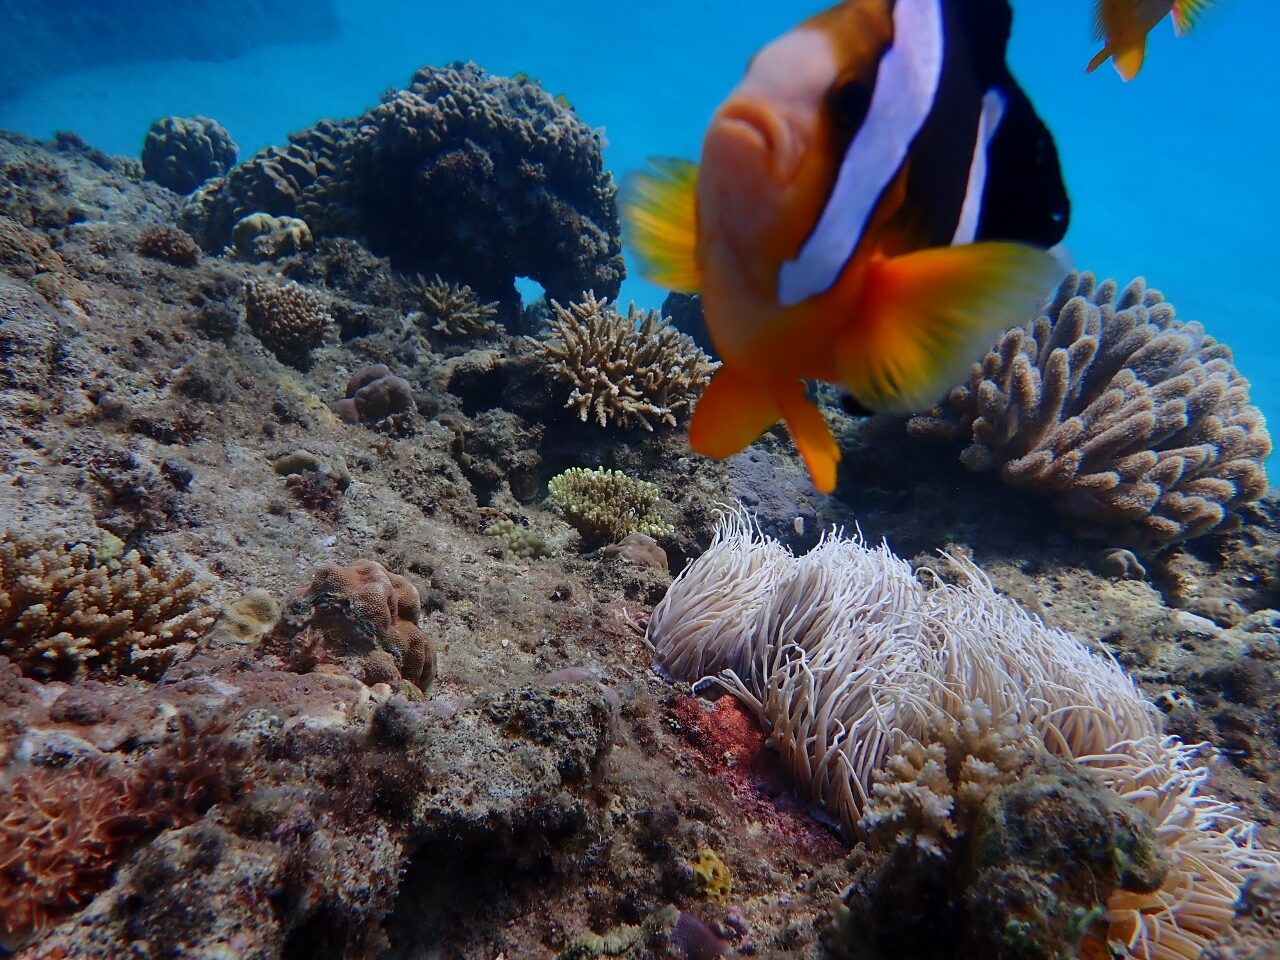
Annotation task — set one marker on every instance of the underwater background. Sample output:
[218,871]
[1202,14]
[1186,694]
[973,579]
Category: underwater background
[349,612]
[1172,176]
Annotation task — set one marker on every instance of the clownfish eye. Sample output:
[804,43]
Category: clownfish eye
[849,101]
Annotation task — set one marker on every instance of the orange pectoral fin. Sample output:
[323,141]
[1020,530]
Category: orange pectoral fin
[731,413]
[660,220]
[925,317]
[811,434]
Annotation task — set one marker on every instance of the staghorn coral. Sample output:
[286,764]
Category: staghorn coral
[183,152]
[361,617]
[479,177]
[261,236]
[846,656]
[453,309]
[170,245]
[632,370]
[607,505]
[290,320]
[1136,423]
[62,614]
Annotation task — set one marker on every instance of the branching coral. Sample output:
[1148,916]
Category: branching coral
[632,370]
[290,320]
[606,505]
[62,614]
[846,658]
[1136,423]
[480,177]
[453,309]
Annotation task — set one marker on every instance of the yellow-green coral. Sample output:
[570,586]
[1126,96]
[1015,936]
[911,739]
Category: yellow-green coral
[711,878]
[607,505]
[588,946]
[522,541]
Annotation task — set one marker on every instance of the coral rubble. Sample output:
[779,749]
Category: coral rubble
[1137,423]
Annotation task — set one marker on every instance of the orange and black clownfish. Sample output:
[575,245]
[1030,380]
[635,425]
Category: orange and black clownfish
[874,204]
[1124,25]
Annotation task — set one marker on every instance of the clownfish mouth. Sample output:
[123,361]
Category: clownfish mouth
[768,131]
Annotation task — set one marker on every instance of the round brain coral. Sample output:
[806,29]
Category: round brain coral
[363,611]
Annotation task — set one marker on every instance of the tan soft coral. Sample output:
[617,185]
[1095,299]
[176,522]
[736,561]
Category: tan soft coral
[64,614]
[1136,423]
[362,618]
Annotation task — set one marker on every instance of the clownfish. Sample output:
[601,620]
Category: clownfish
[1124,24]
[874,204]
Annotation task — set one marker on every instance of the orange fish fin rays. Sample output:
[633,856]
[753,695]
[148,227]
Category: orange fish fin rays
[731,414]
[812,436]
[927,316]
[733,411]
[660,219]
[1187,13]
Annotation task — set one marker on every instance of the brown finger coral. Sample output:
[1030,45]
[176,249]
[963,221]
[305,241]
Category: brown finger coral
[1136,423]
[360,617]
[630,371]
[63,613]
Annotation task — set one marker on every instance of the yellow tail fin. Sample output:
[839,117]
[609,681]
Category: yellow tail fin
[925,317]
[660,219]
[811,434]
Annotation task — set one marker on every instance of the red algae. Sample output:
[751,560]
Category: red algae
[732,746]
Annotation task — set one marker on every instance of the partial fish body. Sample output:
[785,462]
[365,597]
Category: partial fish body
[1124,25]
[873,205]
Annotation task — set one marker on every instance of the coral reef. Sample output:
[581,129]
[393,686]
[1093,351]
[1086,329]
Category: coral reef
[848,656]
[454,310]
[512,182]
[629,371]
[289,319]
[1136,423]
[64,614]
[183,152]
[711,878]
[170,245]
[261,236]
[360,616]
[606,505]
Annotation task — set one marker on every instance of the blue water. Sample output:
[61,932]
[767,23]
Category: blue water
[1172,176]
